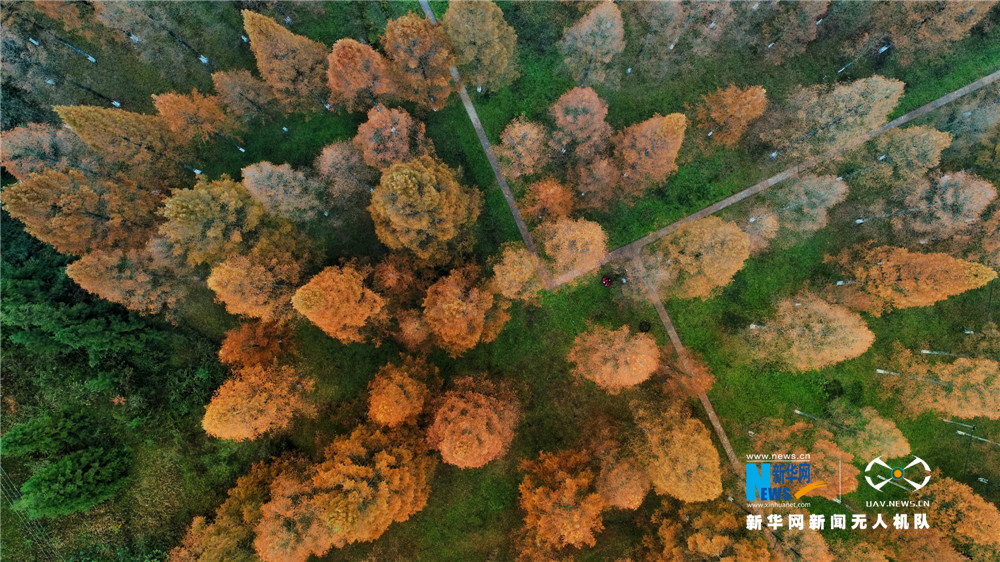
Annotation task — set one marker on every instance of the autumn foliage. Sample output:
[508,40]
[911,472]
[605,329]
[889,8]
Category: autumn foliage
[420,206]
[357,74]
[960,513]
[614,359]
[474,423]
[76,213]
[194,117]
[727,112]
[293,65]
[282,190]
[390,136]
[828,462]
[483,43]
[40,147]
[892,277]
[398,393]
[523,148]
[256,400]
[648,150]
[809,333]
[255,343]
[697,258]
[210,221]
[260,284]
[337,301]
[244,96]
[573,245]
[517,273]
[547,198]
[562,507]
[130,278]
[965,387]
[421,60]
[946,205]
[677,452]
[579,123]
[589,46]
[455,310]
[622,484]
[367,481]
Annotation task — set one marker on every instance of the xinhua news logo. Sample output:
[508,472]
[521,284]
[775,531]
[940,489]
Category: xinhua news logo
[897,474]
[773,481]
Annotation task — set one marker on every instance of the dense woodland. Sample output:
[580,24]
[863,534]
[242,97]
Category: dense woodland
[264,299]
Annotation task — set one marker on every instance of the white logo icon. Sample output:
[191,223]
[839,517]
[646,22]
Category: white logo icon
[897,473]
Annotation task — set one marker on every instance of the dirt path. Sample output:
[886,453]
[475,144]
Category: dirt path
[470,109]
[633,248]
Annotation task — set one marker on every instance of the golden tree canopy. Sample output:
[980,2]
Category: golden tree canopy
[698,258]
[256,400]
[455,310]
[562,507]
[293,65]
[523,148]
[574,245]
[727,112]
[390,136]
[357,74]
[809,333]
[614,359]
[398,393]
[421,60]
[517,273]
[483,43]
[420,206]
[648,150]
[589,46]
[474,423]
[337,301]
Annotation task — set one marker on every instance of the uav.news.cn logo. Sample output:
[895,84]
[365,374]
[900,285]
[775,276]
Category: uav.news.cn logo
[897,474]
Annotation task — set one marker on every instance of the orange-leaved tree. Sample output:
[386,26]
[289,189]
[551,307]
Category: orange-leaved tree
[211,221]
[648,150]
[598,181]
[293,65]
[229,536]
[867,434]
[579,123]
[139,145]
[898,278]
[622,483]
[589,46]
[727,112]
[244,96]
[369,480]
[256,343]
[76,213]
[474,423]
[421,60]
[337,301]
[523,148]
[483,44]
[697,258]
[614,359]
[562,507]
[390,136]
[573,245]
[260,284]
[457,310]
[282,190]
[517,273]
[258,399]
[41,147]
[965,387]
[420,206]
[398,393]
[960,513]
[357,74]
[546,199]
[194,117]
[809,333]
[947,205]
[131,278]
[677,452]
